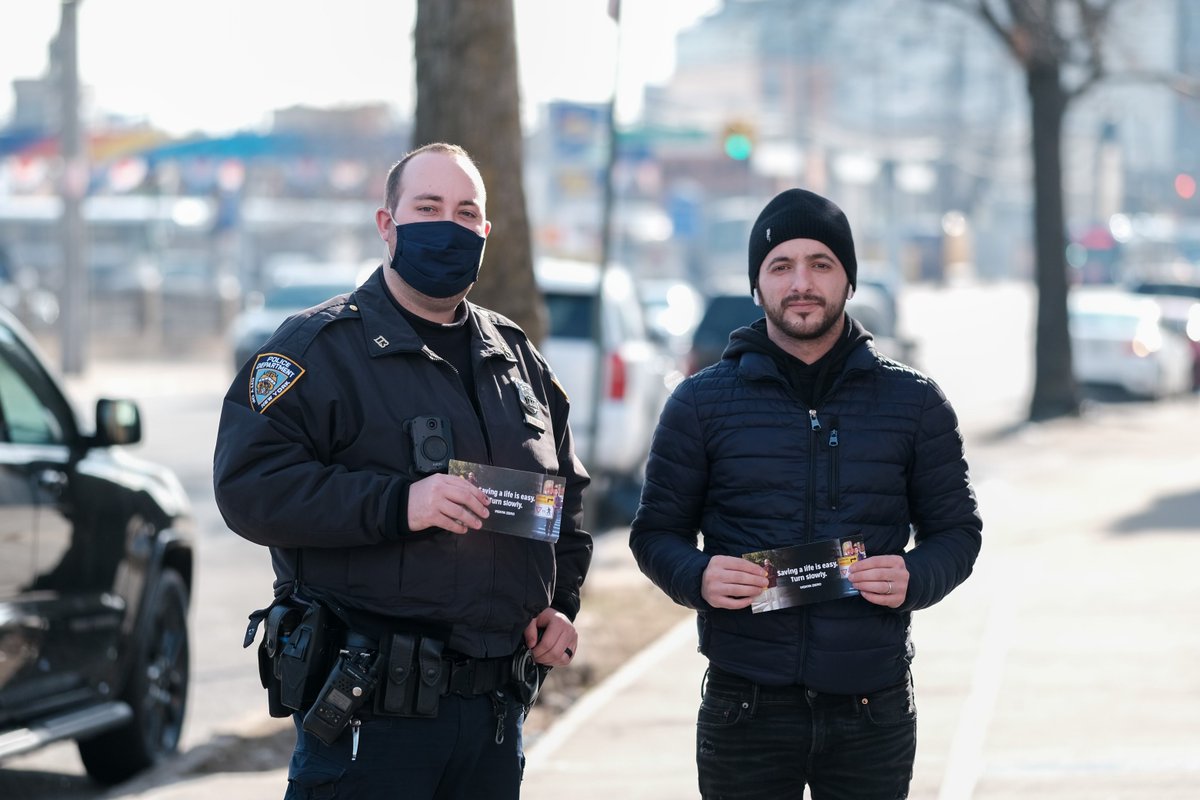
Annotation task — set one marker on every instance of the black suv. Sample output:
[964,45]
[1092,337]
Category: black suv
[96,566]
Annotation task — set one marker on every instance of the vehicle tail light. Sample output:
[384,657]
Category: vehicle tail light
[616,376]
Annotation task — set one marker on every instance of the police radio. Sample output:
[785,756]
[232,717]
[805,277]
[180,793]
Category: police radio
[349,685]
[431,444]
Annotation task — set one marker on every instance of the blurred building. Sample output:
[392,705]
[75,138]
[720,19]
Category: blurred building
[913,116]
[909,113]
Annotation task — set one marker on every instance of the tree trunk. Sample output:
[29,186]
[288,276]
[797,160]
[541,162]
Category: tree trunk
[467,94]
[1055,392]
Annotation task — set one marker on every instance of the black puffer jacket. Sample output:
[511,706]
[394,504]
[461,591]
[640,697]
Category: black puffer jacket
[739,460]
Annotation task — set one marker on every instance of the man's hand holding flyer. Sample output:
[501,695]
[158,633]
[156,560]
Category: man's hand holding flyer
[807,573]
[527,504]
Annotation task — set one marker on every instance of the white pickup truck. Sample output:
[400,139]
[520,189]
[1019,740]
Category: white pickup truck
[633,374]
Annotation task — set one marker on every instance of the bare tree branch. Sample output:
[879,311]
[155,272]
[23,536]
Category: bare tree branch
[1178,82]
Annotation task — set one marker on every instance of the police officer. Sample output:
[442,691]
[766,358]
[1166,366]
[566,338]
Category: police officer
[331,451]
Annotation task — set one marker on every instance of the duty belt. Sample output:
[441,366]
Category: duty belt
[460,674]
[471,676]
[417,670]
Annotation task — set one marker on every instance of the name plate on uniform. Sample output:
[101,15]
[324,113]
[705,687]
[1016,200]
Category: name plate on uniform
[527,504]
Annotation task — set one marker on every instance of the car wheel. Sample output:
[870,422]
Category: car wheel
[156,691]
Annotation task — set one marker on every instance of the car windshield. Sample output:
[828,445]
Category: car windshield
[1106,325]
[724,315]
[570,315]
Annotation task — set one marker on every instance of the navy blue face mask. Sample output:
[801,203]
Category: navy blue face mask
[438,259]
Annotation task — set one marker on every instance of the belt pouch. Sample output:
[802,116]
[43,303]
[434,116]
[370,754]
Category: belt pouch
[429,689]
[399,690]
[281,623]
[304,661]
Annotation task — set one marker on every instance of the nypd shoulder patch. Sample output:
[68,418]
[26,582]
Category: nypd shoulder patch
[270,378]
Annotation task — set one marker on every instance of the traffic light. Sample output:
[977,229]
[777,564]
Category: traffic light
[738,140]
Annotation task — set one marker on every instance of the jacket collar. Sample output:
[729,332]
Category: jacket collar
[755,363]
[387,332]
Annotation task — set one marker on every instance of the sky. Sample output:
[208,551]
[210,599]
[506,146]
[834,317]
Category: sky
[223,65]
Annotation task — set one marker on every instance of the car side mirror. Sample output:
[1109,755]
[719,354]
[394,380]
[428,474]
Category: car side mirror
[117,422]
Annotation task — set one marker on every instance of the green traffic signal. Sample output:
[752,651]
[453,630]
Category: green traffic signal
[738,146]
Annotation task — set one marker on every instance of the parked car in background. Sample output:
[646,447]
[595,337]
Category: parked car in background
[724,312]
[96,571]
[290,292]
[632,372]
[1180,305]
[1121,339]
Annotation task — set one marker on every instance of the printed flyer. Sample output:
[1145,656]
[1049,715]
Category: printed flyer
[807,573]
[527,504]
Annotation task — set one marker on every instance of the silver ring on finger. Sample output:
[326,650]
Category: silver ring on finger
[889,591]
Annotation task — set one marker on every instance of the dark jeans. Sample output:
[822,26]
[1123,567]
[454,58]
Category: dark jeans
[453,756]
[757,741]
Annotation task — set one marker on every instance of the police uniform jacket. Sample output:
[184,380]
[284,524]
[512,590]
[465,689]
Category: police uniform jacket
[738,459]
[313,460]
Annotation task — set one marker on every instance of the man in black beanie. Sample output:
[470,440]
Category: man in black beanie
[801,437]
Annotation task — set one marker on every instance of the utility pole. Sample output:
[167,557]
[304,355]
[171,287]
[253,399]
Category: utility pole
[73,183]
[606,254]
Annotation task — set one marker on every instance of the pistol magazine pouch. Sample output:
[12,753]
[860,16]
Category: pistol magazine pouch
[414,676]
[429,658]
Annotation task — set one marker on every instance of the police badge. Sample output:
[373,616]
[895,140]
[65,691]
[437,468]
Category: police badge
[529,403]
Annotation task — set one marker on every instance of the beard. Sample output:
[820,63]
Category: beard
[809,326]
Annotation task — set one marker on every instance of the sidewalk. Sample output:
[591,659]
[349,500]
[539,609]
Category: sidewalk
[1033,679]
[1064,668]
[630,737]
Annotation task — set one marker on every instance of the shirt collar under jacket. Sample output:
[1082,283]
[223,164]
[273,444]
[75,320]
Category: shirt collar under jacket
[387,332]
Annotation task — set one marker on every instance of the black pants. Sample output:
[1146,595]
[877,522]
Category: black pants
[453,756]
[757,741]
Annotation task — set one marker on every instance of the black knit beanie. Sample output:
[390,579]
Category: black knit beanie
[801,214]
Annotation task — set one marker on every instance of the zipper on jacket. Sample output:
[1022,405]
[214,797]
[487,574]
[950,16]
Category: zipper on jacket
[834,493]
[814,425]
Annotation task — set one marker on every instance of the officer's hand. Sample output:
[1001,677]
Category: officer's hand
[446,501]
[882,580]
[731,582]
[551,638]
